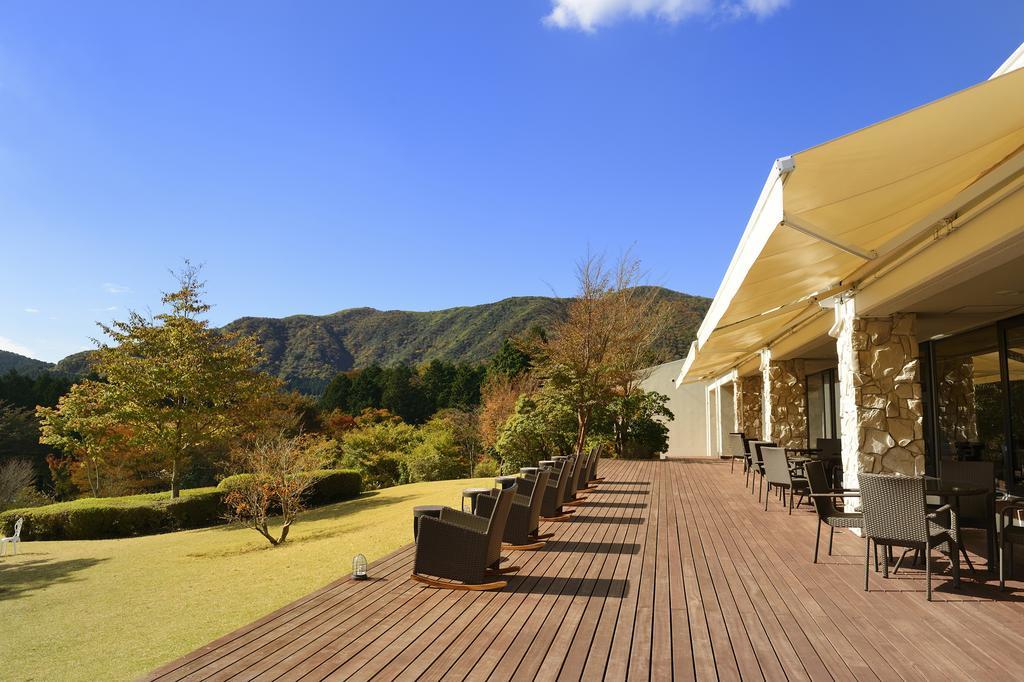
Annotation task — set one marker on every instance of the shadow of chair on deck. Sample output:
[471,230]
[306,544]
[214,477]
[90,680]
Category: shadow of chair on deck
[568,586]
[592,547]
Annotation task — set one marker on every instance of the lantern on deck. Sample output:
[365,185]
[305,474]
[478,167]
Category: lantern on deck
[359,567]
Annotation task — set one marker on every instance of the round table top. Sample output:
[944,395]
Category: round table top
[427,509]
[935,486]
[475,491]
[506,478]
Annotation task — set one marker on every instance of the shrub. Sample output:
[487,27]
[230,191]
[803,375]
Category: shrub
[96,518]
[197,510]
[327,486]
[487,467]
[334,485]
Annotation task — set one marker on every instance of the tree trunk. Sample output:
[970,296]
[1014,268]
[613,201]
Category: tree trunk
[174,479]
[582,418]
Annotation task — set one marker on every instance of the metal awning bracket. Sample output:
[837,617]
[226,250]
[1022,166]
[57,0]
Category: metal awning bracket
[810,230]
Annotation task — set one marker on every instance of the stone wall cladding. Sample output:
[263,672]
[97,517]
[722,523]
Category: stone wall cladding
[787,382]
[885,370]
[748,405]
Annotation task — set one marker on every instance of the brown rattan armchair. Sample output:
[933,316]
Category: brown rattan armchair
[778,474]
[1009,534]
[823,496]
[463,547]
[896,515]
[571,470]
[523,523]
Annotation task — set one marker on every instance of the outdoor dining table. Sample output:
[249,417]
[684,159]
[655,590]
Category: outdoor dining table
[506,481]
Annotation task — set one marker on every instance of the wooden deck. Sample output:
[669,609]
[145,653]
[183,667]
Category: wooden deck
[669,570]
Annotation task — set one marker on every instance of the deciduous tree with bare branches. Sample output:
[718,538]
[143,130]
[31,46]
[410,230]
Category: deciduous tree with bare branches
[275,478]
[598,351]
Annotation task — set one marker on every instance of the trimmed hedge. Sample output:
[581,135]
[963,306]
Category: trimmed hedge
[96,518]
[328,486]
[101,518]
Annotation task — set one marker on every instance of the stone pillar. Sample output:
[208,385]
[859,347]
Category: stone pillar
[879,394]
[748,405]
[784,395]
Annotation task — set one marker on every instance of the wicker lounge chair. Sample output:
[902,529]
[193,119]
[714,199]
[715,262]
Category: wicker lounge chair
[778,474]
[583,478]
[896,515]
[523,522]
[823,496]
[593,477]
[463,547]
[571,470]
[554,493]
[1010,534]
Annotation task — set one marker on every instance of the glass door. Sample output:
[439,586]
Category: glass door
[1013,381]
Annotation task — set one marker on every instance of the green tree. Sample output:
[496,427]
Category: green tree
[85,427]
[367,389]
[176,385]
[338,394]
[19,438]
[402,395]
[510,360]
[437,379]
[541,426]
[638,423]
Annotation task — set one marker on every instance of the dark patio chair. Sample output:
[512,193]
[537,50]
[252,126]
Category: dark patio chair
[1010,534]
[463,547]
[976,511]
[757,464]
[778,474]
[523,524]
[824,496]
[737,449]
[896,515]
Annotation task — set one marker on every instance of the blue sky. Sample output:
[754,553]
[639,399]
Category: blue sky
[421,154]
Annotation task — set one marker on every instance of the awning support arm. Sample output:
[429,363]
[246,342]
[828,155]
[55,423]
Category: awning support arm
[811,231]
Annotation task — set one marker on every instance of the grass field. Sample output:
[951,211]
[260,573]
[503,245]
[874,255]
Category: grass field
[115,609]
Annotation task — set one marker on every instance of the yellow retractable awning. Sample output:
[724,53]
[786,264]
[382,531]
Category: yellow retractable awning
[826,212]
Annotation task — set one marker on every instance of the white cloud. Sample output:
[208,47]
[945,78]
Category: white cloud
[32,311]
[107,309]
[9,345]
[112,288]
[589,15]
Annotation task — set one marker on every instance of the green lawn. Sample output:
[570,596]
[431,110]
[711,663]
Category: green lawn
[115,609]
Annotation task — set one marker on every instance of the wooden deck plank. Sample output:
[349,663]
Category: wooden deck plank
[670,570]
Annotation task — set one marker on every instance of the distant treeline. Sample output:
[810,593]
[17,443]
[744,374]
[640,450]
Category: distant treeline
[414,394]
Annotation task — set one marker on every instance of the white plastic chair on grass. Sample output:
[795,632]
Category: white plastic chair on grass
[13,540]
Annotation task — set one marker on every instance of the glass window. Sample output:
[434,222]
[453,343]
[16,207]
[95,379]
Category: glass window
[969,400]
[815,408]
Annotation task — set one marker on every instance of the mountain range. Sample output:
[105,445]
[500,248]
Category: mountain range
[306,351]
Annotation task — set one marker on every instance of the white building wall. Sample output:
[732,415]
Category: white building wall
[687,433]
